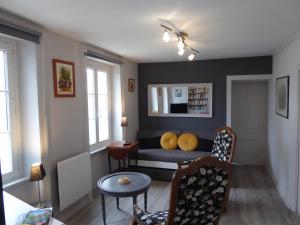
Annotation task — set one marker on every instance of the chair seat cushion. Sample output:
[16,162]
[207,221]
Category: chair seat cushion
[157,218]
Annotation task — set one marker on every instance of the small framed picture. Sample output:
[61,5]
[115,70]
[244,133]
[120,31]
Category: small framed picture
[131,85]
[178,93]
[282,96]
[64,78]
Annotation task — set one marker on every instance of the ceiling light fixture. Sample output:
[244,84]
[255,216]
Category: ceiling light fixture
[166,36]
[191,56]
[181,44]
[181,52]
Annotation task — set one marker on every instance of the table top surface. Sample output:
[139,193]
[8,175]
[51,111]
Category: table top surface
[138,182]
[15,207]
[121,145]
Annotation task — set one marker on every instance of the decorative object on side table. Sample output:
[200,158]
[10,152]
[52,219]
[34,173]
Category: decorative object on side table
[64,78]
[124,123]
[124,180]
[282,96]
[37,174]
[119,151]
[131,85]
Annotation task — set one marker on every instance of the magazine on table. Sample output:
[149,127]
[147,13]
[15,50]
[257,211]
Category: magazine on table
[35,217]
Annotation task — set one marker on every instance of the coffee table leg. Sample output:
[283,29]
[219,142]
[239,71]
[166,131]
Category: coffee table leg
[145,201]
[103,209]
[118,203]
[109,165]
[134,203]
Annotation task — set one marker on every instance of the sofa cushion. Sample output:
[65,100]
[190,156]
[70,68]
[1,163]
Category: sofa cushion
[205,145]
[152,142]
[169,141]
[187,142]
[169,156]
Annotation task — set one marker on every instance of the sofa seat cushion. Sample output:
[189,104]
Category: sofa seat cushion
[174,156]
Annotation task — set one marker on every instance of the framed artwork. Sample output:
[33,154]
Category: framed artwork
[131,85]
[64,78]
[282,96]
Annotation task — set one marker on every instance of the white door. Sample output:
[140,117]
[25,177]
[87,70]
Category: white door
[249,120]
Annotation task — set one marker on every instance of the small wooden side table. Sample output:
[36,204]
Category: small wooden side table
[119,151]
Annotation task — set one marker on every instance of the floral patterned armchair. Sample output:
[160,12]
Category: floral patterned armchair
[224,144]
[199,193]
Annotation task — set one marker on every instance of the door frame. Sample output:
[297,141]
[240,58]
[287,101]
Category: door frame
[230,80]
[297,153]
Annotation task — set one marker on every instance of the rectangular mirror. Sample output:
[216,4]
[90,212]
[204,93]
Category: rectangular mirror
[180,100]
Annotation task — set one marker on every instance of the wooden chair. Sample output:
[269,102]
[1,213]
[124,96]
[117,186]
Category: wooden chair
[224,144]
[199,193]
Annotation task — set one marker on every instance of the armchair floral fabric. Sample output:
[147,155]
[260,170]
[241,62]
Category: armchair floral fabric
[199,201]
[156,218]
[201,196]
[222,146]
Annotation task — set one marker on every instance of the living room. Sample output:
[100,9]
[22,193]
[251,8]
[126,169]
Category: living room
[240,51]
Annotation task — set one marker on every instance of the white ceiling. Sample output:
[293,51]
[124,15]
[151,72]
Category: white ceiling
[218,28]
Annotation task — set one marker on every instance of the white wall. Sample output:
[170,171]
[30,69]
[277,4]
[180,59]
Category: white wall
[62,120]
[129,70]
[282,133]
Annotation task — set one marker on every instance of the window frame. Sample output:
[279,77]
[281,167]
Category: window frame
[98,66]
[9,46]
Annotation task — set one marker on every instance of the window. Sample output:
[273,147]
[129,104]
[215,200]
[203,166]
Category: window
[8,128]
[98,98]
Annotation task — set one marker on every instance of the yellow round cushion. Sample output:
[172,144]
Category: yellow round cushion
[168,141]
[187,142]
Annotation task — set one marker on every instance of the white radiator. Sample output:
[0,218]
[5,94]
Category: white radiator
[74,179]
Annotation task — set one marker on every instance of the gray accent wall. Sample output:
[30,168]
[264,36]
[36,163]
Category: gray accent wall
[214,71]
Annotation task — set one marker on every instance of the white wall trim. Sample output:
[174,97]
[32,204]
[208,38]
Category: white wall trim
[297,153]
[230,79]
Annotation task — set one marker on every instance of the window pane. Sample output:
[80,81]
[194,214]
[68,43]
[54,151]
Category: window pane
[5,153]
[3,113]
[2,71]
[92,131]
[103,129]
[90,81]
[91,107]
[102,82]
[102,106]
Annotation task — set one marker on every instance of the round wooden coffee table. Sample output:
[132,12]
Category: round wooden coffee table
[109,185]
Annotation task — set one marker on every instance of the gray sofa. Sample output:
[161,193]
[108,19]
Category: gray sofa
[150,149]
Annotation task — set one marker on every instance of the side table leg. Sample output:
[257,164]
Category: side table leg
[109,165]
[103,209]
[145,201]
[134,203]
[118,203]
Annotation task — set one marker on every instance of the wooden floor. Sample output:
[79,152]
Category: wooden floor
[253,201]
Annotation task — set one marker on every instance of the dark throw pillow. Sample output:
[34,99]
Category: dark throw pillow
[150,143]
[205,145]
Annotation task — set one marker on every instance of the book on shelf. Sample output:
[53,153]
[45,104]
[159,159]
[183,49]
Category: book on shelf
[35,217]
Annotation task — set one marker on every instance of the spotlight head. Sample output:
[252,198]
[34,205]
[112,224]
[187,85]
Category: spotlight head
[191,56]
[180,44]
[181,52]
[166,36]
